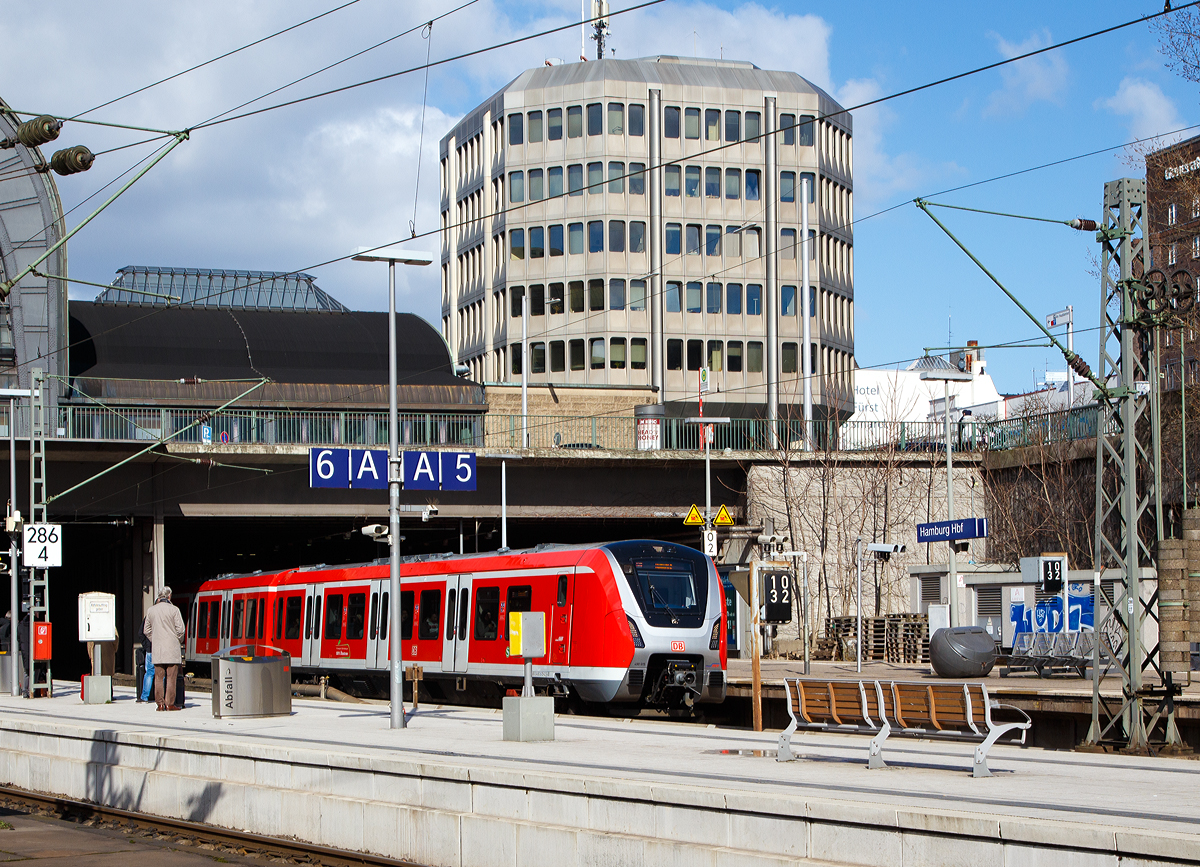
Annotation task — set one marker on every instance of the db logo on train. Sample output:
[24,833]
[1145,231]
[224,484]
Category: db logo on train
[678,647]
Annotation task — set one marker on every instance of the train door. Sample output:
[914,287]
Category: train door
[208,624]
[456,639]
[287,621]
[424,643]
[377,625]
[560,618]
[226,616]
[345,624]
[312,625]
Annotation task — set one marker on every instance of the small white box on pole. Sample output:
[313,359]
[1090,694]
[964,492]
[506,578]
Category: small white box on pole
[97,617]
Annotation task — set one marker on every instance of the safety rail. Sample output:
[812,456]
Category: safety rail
[492,430]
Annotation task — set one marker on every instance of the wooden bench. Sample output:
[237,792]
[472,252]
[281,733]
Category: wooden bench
[956,711]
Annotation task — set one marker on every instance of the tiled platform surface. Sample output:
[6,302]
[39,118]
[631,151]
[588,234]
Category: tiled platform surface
[449,791]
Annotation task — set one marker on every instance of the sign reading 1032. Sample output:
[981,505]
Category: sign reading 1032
[368,469]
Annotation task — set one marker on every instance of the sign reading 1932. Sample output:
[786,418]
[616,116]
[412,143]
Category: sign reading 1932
[368,469]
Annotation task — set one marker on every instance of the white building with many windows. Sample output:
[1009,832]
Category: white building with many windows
[650,213]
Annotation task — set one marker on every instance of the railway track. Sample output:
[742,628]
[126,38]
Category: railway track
[195,837]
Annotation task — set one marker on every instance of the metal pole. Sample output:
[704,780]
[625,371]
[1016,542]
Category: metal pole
[806,312]
[950,513]
[657,348]
[755,662]
[858,603]
[524,370]
[503,505]
[1071,347]
[396,693]
[804,610]
[14,580]
[772,290]
[707,480]
[1183,410]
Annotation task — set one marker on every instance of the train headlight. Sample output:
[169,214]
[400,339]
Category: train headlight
[634,634]
[714,640]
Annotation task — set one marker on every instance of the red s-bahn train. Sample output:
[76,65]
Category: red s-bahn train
[628,622]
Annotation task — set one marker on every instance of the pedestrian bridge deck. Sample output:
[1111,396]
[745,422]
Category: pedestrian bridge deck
[449,791]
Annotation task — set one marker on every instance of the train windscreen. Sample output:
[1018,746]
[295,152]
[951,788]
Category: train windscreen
[669,581]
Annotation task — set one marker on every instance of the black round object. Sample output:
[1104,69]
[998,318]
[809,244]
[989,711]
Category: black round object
[962,651]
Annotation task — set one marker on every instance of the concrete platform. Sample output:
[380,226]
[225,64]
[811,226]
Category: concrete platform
[450,791]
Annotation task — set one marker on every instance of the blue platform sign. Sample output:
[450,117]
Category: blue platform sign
[952,531]
[367,469]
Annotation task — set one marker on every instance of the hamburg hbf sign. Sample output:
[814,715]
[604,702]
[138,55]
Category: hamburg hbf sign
[952,531]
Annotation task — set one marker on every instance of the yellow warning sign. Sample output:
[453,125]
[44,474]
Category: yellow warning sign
[723,519]
[694,518]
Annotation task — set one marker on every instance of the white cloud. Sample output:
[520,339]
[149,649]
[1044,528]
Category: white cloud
[1038,79]
[1150,111]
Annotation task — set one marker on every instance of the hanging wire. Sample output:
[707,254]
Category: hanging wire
[427,35]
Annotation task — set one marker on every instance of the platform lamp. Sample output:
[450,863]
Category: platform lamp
[393,254]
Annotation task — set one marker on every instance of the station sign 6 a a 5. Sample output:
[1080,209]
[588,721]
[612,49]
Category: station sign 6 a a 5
[368,469]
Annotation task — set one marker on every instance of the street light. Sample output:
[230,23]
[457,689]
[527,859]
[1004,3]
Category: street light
[393,254]
[14,618]
[946,377]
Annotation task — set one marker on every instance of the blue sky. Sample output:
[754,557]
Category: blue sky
[292,188]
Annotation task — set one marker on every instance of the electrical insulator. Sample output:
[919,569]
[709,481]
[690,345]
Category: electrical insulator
[1080,366]
[39,131]
[1083,225]
[72,160]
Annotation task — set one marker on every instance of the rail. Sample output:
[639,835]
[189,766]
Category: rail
[491,430]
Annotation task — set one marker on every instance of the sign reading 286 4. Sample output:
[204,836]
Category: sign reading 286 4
[42,548]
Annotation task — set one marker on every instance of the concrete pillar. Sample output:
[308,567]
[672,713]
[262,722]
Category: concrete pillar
[771,289]
[658,362]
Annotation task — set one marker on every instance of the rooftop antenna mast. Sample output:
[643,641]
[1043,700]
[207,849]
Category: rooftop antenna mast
[600,25]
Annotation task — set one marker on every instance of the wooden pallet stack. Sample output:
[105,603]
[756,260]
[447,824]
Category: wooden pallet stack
[907,638]
[1173,649]
[897,638]
[1191,542]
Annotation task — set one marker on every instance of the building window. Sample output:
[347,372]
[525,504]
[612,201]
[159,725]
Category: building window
[805,131]
[537,300]
[733,299]
[733,242]
[537,243]
[616,236]
[693,239]
[812,245]
[554,124]
[1196,247]
[716,355]
[787,244]
[787,300]
[516,186]
[595,295]
[537,357]
[693,297]
[517,296]
[616,294]
[674,355]
[616,353]
[753,184]
[535,126]
[556,298]
[674,239]
[637,294]
[733,361]
[671,121]
[712,182]
[514,129]
[713,293]
[577,362]
[1172,253]
[671,187]
[695,354]
[733,126]
[787,127]
[787,186]
[515,355]
[751,243]
[637,237]
[637,119]
[637,353]
[558,356]
[812,185]
[597,353]
[637,179]
[812,301]
[712,124]
[674,290]
[574,121]
[616,118]
[575,180]
[575,231]
[616,177]
[1195,207]
[691,123]
[596,236]
[554,185]
[595,178]
[753,299]
[712,240]
[575,288]
[595,118]
[516,243]
[556,240]
[787,360]
[754,356]
[1172,215]
[733,183]
[536,192]
[691,182]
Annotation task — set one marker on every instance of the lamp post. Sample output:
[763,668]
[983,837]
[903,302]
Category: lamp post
[946,377]
[14,552]
[392,255]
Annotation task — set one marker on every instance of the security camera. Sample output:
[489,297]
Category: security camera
[430,512]
[375,531]
[884,550]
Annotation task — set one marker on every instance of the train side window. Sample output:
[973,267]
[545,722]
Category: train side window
[238,608]
[202,629]
[384,617]
[278,618]
[308,617]
[194,615]
[356,617]
[333,616]
[251,610]
[262,618]
[450,609]
[562,591]
[225,620]
[519,599]
[487,613]
[292,618]
[406,615]
[431,615]
[214,619]
[374,615]
[464,609]
[317,618]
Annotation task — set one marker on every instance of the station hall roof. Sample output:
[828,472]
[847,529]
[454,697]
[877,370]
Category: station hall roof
[214,287]
[138,353]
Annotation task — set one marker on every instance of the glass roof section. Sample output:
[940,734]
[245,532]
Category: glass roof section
[144,285]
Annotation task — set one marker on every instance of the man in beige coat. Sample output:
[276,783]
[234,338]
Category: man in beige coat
[164,627]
